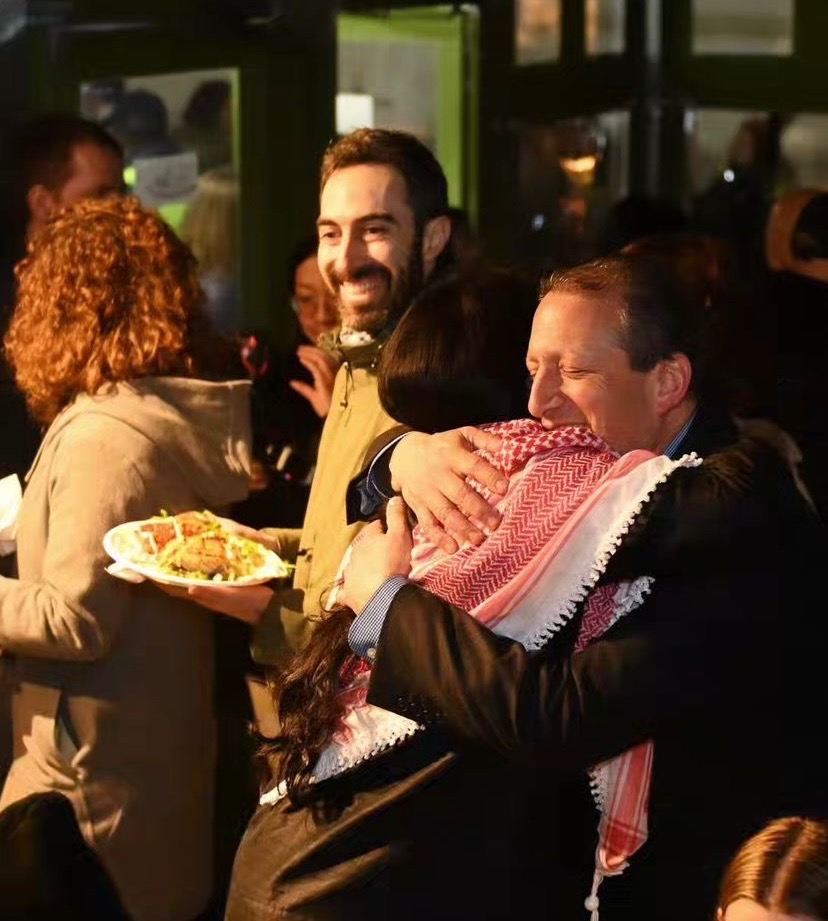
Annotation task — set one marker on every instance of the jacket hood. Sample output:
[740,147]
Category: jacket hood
[201,426]
[363,354]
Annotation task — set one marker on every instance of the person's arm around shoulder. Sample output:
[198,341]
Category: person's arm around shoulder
[570,710]
[431,473]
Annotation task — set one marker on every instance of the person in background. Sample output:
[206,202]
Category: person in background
[48,871]
[705,266]
[58,159]
[779,873]
[314,367]
[112,681]
[141,123]
[54,160]
[291,395]
[211,230]
[636,217]
[207,124]
[796,249]
[383,234]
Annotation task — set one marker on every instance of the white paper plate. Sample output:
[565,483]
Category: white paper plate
[273,567]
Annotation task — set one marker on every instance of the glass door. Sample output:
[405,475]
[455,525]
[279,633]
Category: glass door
[220,122]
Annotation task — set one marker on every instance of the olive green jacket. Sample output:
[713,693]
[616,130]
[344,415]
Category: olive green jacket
[355,419]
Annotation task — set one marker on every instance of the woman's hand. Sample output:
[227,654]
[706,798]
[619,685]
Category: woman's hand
[246,603]
[323,367]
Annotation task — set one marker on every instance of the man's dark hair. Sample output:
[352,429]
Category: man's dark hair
[425,181]
[43,148]
[303,250]
[658,315]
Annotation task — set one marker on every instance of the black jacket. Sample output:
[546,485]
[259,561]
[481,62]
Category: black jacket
[721,666]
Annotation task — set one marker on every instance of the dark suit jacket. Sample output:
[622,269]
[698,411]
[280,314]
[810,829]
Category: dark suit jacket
[721,667]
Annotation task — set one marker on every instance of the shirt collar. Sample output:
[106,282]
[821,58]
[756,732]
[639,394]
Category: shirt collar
[672,449]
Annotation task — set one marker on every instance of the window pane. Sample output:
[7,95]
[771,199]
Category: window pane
[569,173]
[177,131]
[712,137]
[537,31]
[743,26]
[805,150]
[784,150]
[389,85]
[741,161]
[604,26]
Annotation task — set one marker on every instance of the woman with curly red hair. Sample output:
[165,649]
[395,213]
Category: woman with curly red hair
[113,686]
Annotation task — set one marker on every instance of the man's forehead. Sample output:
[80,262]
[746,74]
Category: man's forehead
[598,308]
[575,319]
[353,192]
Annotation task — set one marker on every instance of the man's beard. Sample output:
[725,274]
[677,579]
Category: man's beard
[375,319]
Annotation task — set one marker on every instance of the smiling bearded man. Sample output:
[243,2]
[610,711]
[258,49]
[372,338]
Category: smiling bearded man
[384,231]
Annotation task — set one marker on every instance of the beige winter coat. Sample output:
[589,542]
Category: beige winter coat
[113,700]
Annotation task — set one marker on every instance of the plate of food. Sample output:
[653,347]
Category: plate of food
[191,548]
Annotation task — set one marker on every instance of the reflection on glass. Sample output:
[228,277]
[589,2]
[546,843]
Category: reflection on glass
[743,27]
[211,228]
[791,149]
[805,147]
[177,134]
[390,84]
[604,26]
[569,174]
[776,149]
[537,31]
[173,127]
[354,110]
[741,162]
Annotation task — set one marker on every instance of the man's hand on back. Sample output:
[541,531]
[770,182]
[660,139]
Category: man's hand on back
[430,472]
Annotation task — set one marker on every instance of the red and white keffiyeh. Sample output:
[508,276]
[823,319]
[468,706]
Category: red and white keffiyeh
[569,503]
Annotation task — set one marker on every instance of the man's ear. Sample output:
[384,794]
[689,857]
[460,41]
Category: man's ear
[436,235]
[41,203]
[673,376]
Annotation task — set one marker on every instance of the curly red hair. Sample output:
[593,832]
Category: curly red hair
[106,293]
